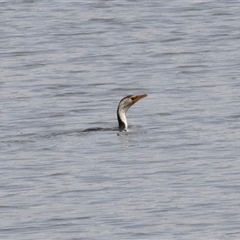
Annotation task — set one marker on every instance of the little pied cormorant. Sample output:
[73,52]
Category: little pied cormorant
[123,107]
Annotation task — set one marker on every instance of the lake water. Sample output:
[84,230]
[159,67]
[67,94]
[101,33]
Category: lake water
[64,67]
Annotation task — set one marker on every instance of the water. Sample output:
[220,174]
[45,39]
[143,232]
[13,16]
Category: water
[65,66]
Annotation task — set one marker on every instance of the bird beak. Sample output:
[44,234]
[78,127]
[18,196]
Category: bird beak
[138,97]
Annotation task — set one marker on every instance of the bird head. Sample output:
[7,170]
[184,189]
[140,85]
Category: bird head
[129,100]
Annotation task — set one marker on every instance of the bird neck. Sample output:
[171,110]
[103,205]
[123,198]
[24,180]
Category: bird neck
[122,120]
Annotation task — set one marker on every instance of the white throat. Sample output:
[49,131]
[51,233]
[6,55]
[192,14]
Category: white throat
[122,115]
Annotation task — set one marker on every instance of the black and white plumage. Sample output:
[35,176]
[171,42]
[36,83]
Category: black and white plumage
[123,107]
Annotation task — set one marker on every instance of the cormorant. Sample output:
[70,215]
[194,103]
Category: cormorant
[123,107]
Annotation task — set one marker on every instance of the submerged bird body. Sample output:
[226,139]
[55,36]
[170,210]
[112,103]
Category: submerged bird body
[123,107]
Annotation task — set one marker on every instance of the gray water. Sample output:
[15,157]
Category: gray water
[64,67]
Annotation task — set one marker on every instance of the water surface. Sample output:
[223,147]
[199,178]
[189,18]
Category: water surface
[64,68]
